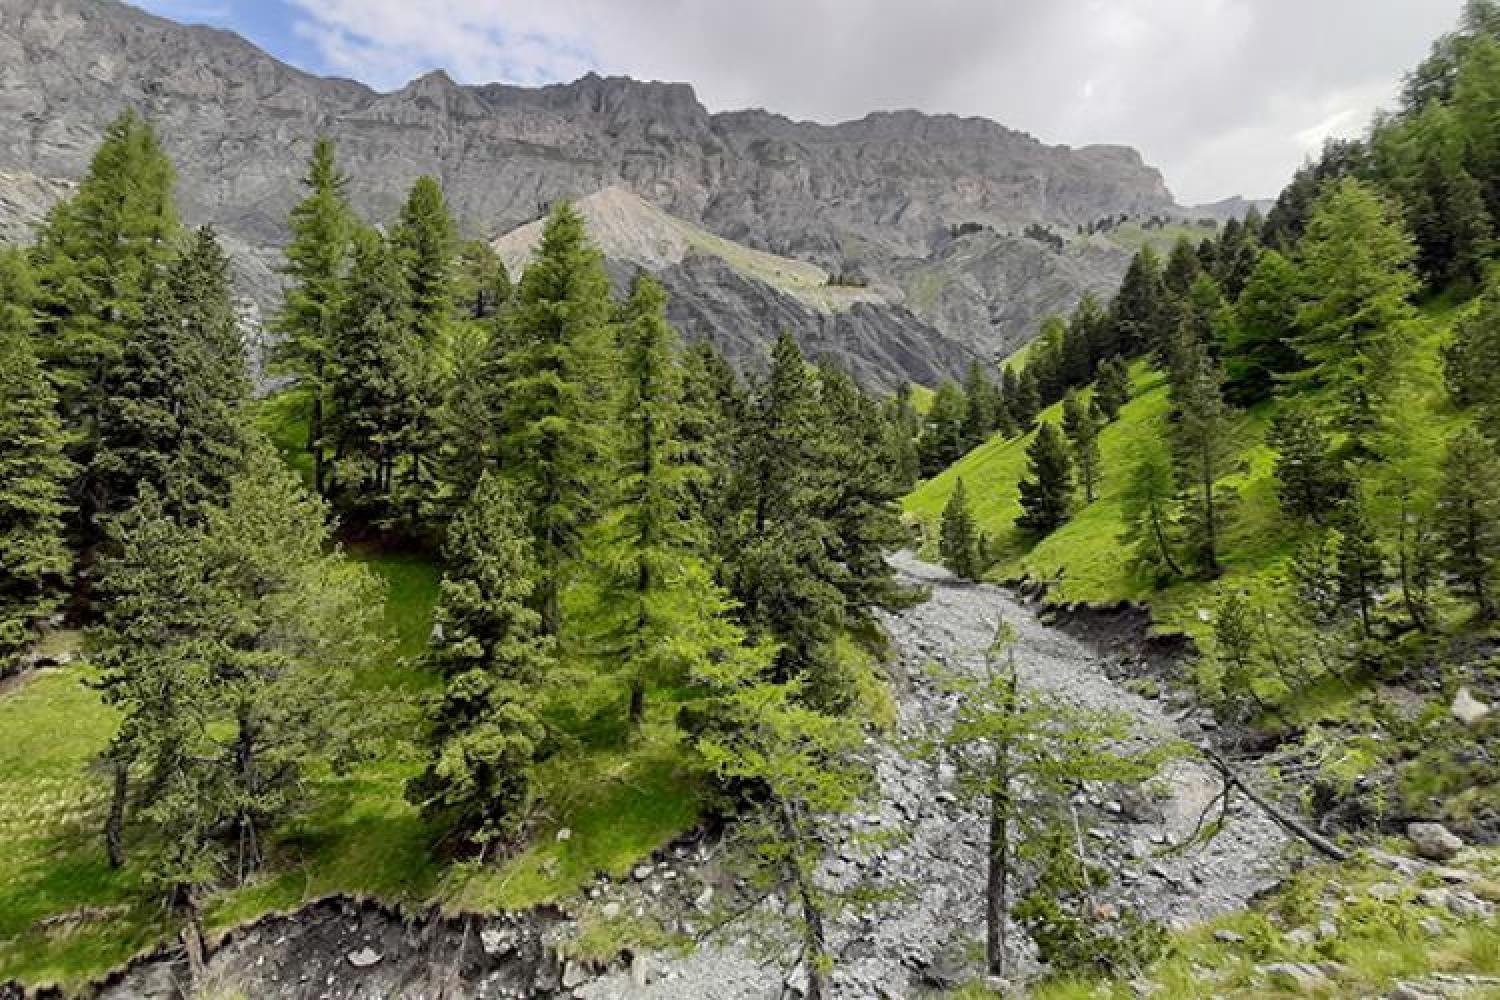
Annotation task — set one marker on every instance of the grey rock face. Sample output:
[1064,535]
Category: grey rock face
[879,195]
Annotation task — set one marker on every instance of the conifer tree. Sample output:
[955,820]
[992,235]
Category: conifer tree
[1083,435]
[1137,313]
[482,284]
[1151,514]
[1361,564]
[1469,516]
[958,543]
[802,771]
[557,404]
[1047,492]
[1257,346]
[782,571]
[659,612]
[427,247]
[1476,94]
[365,378]
[1309,481]
[902,427]
[486,733]
[1471,363]
[35,561]
[981,415]
[944,440]
[859,498]
[1112,391]
[1204,446]
[713,413]
[175,396]
[1354,266]
[98,256]
[317,259]
[1026,403]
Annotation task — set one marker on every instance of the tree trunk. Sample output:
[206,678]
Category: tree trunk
[315,434]
[192,941]
[1292,825]
[814,933]
[997,889]
[114,826]
[637,702]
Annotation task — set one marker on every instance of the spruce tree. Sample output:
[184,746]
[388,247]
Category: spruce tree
[981,415]
[1026,403]
[1152,516]
[1469,516]
[958,544]
[1112,391]
[1471,363]
[557,404]
[1084,438]
[486,734]
[713,415]
[35,561]
[945,438]
[1355,283]
[317,259]
[481,285]
[1047,492]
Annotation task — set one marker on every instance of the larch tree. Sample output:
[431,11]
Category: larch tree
[317,261]
[1152,516]
[558,402]
[1203,441]
[98,256]
[1355,283]
[1257,337]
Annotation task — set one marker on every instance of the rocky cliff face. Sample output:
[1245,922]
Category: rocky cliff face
[880,195]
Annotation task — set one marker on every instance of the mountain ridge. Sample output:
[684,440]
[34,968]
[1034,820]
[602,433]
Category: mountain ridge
[876,196]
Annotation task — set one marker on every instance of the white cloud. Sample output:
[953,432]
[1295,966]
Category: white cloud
[1227,96]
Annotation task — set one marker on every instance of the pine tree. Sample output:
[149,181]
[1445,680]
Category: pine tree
[1112,391]
[317,259]
[902,427]
[1026,403]
[1083,435]
[1309,481]
[958,544]
[1257,347]
[713,415]
[1471,363]
[98,257]
[557,403]
[1047,492]
[176,395]
[1476,94]
[35,561]
[486,733]
[1469,516]
[1204,446]
[1354,266]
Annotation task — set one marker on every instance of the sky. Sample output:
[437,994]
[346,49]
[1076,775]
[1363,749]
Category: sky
[1226,97]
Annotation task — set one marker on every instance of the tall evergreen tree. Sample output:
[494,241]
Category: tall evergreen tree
[176,393]
[1471,363]
[1361,564]
[1469,516]
[1137,313]
[658,611]
[1356,283]
[1204,446]
[1047,492]
[958,542]
[486,732]
[1112,391]
[98,257]
[557,397]
[1081,425]
[981,414]
[481,284]
[1257,346]
[428,248]
[1309,480]
[944,440]
[35,561]
[1151,515]
[317,259]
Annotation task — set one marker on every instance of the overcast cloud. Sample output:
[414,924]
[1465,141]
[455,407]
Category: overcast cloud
[1225,96]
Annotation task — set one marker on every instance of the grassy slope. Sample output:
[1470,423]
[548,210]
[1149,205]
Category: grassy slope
[1083,556]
